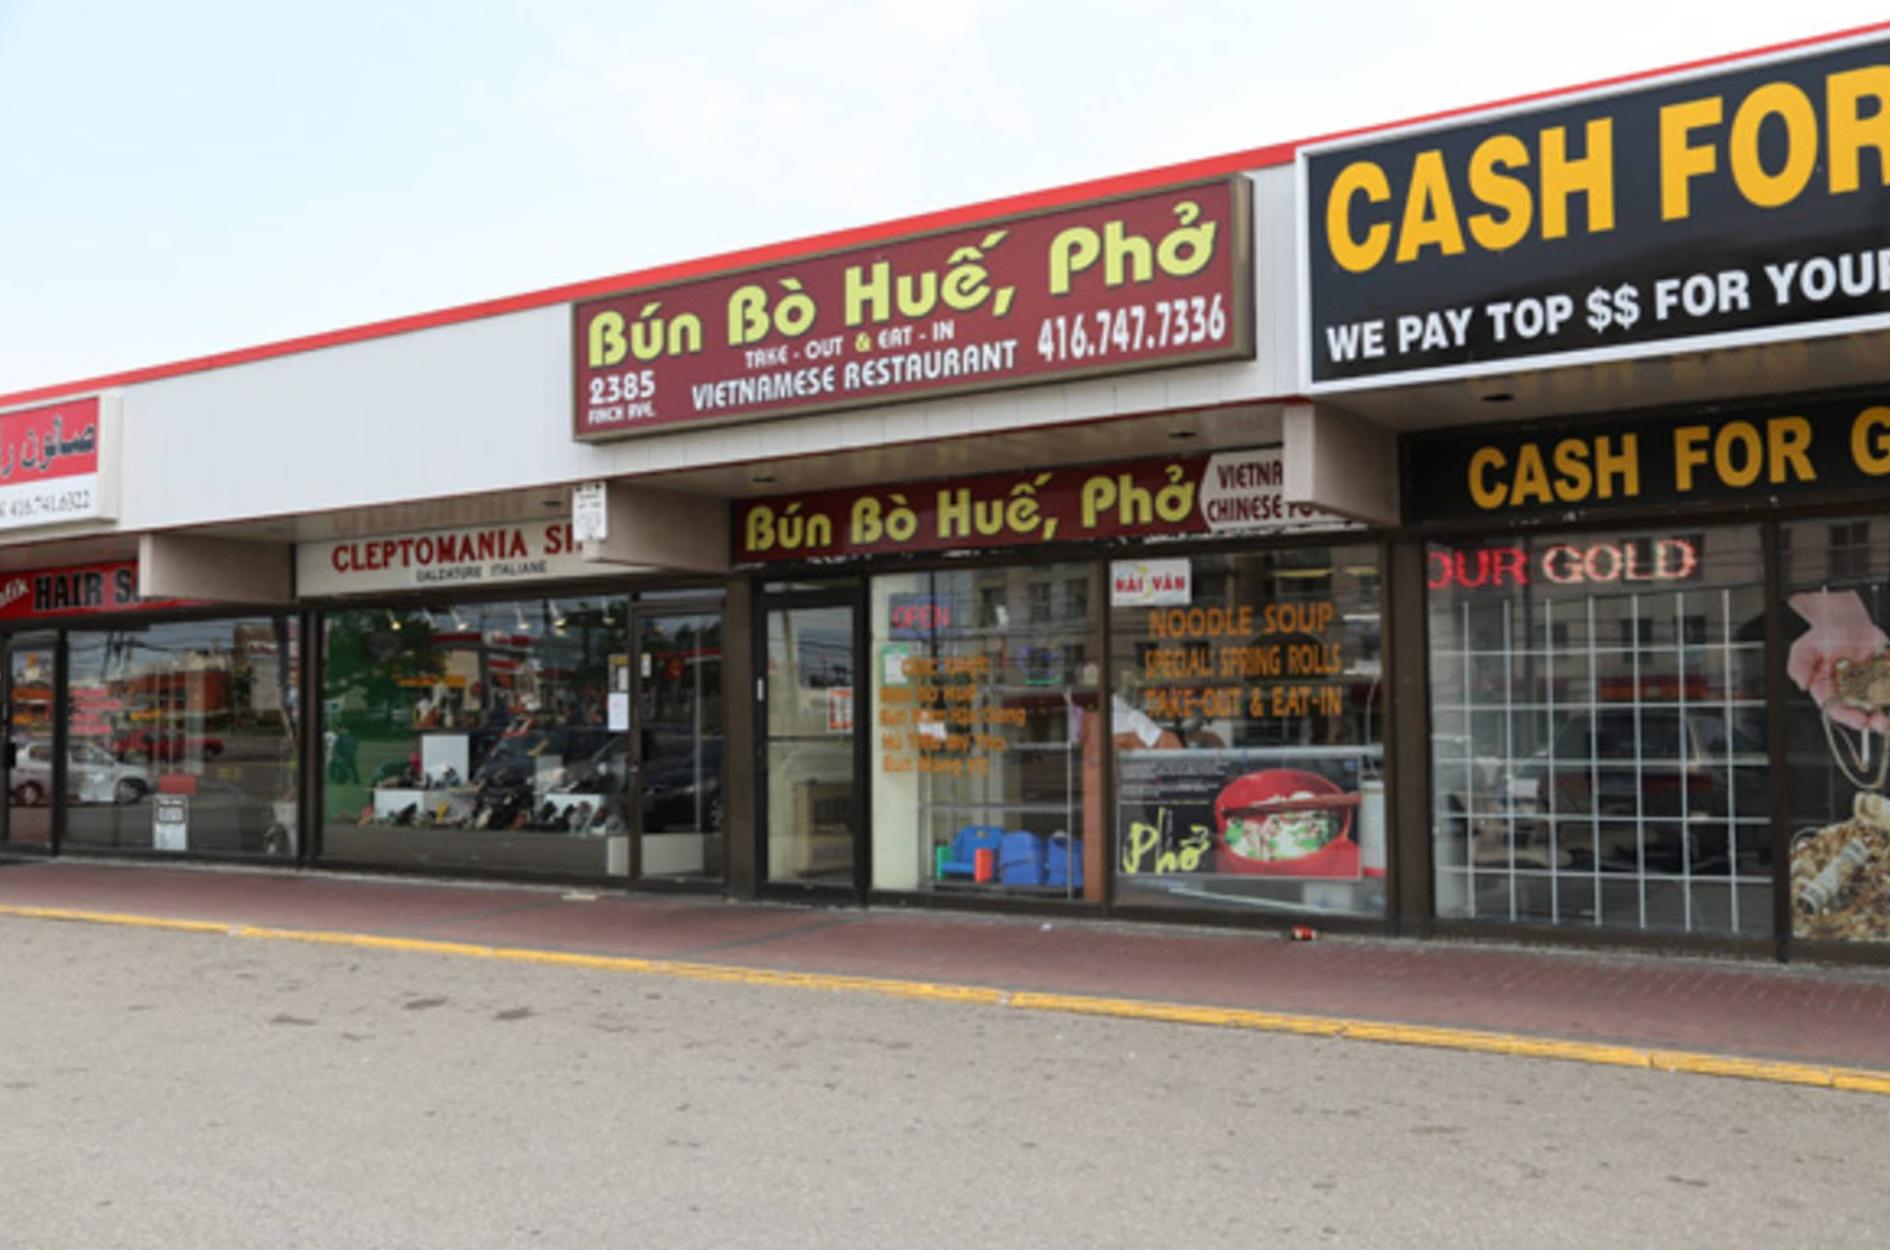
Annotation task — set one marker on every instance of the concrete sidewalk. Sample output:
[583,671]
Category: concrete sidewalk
[1750,1010]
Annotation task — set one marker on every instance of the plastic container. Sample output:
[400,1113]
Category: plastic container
[961,858]
[1020,859]
[1063,861]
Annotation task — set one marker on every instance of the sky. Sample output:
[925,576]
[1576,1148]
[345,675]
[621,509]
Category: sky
[184,178]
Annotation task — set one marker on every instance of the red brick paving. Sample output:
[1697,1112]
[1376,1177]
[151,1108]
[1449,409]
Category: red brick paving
[1753,1009]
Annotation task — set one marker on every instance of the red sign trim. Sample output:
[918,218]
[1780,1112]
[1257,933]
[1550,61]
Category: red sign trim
[74,590]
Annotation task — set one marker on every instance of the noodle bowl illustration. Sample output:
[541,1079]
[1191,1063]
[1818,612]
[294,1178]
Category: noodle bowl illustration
[1285,822]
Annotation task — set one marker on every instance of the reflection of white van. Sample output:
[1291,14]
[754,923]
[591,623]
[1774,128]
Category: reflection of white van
[93,775]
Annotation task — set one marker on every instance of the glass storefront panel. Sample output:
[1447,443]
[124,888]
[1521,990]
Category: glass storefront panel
[1248,726]
[812,827]
[1598,730]
[479,735]
[181,736]
[1837,585]
[986,731]
[30,660]
[679,745]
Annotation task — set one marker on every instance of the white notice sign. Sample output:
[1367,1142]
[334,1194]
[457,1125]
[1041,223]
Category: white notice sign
[590,515]
[170,822]
[1150,583]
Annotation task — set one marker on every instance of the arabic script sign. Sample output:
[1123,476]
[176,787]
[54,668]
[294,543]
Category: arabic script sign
[49,465]
[1158,279]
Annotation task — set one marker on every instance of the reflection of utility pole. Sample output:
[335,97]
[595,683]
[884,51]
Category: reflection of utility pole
[694,637]
[789,666]
[1529,655]
[285,685]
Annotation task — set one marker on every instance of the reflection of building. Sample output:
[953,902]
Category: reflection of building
[1504,622]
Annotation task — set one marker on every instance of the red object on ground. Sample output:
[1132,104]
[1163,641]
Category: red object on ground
[1304,933]
[984,865]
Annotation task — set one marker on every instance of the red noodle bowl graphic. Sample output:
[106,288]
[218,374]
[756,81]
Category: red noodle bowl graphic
[1284,822]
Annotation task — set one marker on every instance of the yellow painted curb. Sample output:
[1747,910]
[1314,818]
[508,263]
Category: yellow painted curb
[115,918]
[1861,1080]
[1749,1069]
[1856,1080]
[727,973]
[1177,1013]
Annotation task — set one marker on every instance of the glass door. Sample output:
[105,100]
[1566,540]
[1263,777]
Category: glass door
[29,750]
[678,746]
[812,825]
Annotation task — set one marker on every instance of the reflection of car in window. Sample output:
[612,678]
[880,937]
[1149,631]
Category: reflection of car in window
[515,759]
[1617,788]
[165,745]
[681,782]
[93,775]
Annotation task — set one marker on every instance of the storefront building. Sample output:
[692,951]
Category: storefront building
[1469,528]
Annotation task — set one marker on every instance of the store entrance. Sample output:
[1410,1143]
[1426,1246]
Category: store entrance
[677,746]
[811,829]
[28,759]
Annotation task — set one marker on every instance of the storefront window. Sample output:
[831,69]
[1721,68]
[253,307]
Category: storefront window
[1247,719]
[812,816]
[179,737]
[985,731]
[1598,736]
[487,735]
[29,673]
[678,721]
[1837,585]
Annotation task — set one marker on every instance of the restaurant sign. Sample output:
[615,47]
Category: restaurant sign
[50,464]
[1149,280]
[1708,209]
[455,559]
[1235,492]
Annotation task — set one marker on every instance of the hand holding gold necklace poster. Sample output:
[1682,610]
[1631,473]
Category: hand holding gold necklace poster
[1841,871]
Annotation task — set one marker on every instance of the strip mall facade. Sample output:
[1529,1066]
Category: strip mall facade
[1473,527]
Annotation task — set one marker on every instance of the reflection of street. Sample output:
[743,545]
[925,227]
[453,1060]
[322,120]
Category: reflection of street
[230,797]
[347,799]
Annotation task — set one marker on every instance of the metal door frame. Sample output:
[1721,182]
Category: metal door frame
[852,597]
[633,746]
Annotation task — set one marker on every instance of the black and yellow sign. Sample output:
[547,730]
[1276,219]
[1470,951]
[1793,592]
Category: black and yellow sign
[1830,449]
[1734,207]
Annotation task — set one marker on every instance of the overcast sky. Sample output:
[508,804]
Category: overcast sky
[181,178]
